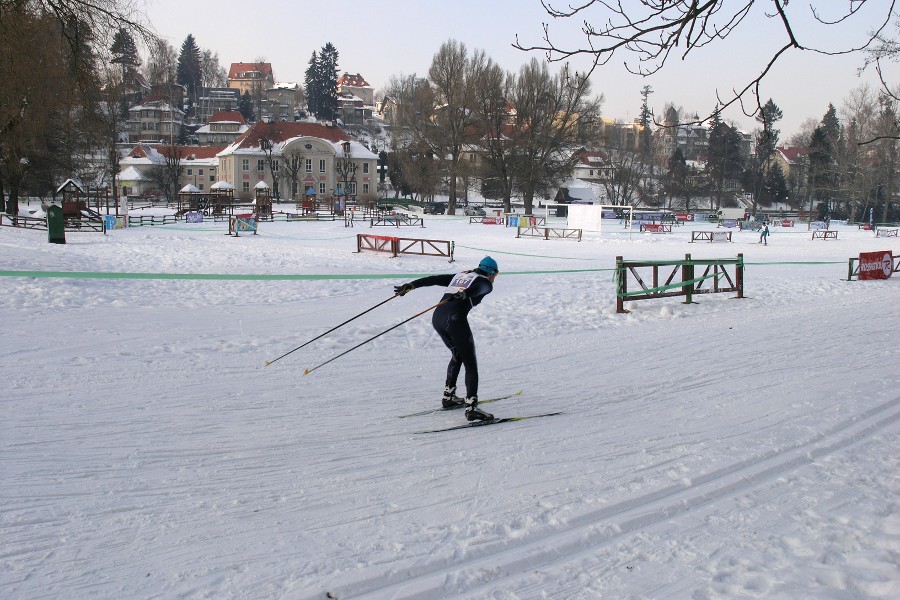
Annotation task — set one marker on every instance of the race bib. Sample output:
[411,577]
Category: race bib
[461,282]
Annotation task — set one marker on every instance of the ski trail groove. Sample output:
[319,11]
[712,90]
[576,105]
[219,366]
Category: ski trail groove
[581,535]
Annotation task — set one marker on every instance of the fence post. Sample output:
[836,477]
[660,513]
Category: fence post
[620,285]
[687,274]
[739,275]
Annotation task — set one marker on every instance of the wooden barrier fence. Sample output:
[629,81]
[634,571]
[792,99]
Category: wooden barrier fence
[548,232]
[824,234]
[710,236]
[682,280]
[396,246]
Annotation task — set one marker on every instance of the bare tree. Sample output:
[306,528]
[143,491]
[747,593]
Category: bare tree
[650,32]
[493,111]
[433,114]
[551,114]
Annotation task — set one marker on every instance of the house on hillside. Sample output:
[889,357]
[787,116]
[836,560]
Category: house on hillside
[213,100]
[356,99]
[251,77]
[154,120]
[292,157]
[223,128]
[283,101]
[356,85]
[794,163]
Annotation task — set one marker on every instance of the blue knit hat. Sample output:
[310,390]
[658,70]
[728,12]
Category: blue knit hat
[488,265]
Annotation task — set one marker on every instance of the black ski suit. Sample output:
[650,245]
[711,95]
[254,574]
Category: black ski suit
[450,320]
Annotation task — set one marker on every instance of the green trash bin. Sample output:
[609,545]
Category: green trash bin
[56,225]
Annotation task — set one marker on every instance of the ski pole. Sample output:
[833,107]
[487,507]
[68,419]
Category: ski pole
[308,371]
[269,362]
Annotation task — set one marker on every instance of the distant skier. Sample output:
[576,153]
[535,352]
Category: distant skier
[464,291]
[764,234]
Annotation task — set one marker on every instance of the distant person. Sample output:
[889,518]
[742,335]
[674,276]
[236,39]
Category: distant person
[764,234]
[464,291]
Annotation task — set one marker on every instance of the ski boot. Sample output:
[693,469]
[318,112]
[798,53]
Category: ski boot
[473,413]
[450,399]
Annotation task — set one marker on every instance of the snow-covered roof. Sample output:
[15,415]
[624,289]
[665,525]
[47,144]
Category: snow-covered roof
[68,182]
[130,174]
[189,189]
[262,185]
[221,185]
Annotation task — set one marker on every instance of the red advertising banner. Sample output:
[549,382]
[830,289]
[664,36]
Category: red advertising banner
[875,265]
[685,216]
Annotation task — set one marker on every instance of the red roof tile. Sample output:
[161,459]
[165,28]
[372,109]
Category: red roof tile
[352,80]
[230,116]
[279,131]
[242,67]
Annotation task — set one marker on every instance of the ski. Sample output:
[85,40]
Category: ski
[435,410]
[491,422]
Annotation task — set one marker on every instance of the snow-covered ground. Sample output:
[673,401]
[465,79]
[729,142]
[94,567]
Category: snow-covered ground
[724,449]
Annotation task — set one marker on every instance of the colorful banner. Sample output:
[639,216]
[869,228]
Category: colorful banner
[684,216]
[875,265]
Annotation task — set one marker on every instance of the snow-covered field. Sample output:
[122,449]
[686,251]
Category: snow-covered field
[724,449]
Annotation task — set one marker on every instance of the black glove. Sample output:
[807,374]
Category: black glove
[458,296]
[403,289]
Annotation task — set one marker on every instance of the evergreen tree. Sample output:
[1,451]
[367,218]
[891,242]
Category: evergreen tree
[645,121]
[245,106]
[327,73]
[312,84]
[124,52]
[189,72]
[774,187]
[766,142]
[724,160]
[321,83]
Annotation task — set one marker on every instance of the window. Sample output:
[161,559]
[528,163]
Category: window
[309,165]
[260,165]
[190,171]
[212,178]
[321,188]
[321,165]
[365,168]
[200,171]
[275,166]
[200,186]
[245,186]
[351,188]
[246,164]
[365,188]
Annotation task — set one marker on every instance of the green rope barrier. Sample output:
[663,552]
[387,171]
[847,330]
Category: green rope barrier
[671,286]
[490,251]
[254,277]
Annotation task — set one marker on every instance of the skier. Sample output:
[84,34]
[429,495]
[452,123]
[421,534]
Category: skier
[464,291]
[764,234]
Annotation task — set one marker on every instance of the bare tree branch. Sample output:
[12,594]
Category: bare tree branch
[647,32]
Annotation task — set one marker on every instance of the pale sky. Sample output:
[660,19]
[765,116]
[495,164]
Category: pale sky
[383,38]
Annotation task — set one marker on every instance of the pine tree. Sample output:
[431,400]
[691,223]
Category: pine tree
[312,84]
[245,107]
[328,76]
[189,72]
[645,120]
[125,53]
[321,83]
